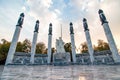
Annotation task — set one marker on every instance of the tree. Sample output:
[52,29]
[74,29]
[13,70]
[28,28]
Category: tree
[101,46]
[68,48]
[53,50]
[26,46]
[40,47]
[19,47]
[84,47]
[4,41]
[4,47]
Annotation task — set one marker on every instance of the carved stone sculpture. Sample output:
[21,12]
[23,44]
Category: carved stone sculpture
[37,26]
[50,29]
[85,24]
[20,20]
[60,45]
[102,16]
[71,28]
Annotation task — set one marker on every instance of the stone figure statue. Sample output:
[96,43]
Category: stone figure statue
[102,16]
[71,28]
[20,20]
[50,29]
[37,26]
[60,45]
[85,24]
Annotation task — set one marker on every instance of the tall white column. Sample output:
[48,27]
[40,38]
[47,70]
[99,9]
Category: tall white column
[109,36]
[88,39]
[49,52]
[34,41]
[13,45]
[72,43]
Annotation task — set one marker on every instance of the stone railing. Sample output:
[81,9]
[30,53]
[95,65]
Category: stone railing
[24,58]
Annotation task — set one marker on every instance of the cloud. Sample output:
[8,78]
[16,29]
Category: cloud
[62,12]
[89,9]
[40,9]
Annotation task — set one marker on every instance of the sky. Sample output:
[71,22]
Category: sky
[59,12]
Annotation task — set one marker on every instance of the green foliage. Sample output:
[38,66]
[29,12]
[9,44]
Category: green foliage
[101,46]
[19,47]
[4,47]
[40,48]
[68,47]
[26,45]
[84,47]
[53,50]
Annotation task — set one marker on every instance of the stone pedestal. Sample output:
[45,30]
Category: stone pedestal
[82,61]
[109,36]
[14,41]
[49,52]
[33,48]
[72,42]
[61,59]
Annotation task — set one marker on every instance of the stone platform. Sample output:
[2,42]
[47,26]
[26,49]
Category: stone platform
[102,57]
[72,72]
[61,59]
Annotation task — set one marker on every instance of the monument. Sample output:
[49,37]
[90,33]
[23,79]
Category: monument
[33,48]
[109,36]
[88,39]
[72,43]
[13,45]
[61,57]
[49,43]
[60,45]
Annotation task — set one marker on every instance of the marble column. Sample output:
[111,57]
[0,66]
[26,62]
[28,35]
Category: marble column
[34,41]
[109,36]
[72,43]
[14,41]
[49,52]
[88,39]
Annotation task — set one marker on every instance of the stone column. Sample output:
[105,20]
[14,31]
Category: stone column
[49,52]
[13,45]
[88,39]
[109,36]
[33,48]
[72,43]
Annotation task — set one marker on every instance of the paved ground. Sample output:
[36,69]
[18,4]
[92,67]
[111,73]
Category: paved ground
[1,69]
[77,72]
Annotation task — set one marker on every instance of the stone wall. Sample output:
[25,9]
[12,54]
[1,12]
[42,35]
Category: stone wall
[24,58]
[102,57]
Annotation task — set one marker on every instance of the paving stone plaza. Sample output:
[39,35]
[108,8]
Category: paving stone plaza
[75,72]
